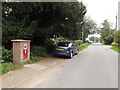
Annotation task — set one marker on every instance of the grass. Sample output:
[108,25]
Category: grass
[6,67]
[83,46]
[116,48]
[33,60]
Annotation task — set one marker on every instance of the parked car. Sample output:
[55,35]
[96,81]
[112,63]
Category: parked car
[65,49]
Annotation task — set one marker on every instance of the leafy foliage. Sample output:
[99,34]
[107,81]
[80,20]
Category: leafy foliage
[117,36]
[38,51]
[106,32]
[88,27]
[49,45]
[39,21]
[78,42]
[6,55]
[94,39]
[33,59]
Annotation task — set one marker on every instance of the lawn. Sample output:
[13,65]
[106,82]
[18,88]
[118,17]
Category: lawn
[116,48]
[83,46]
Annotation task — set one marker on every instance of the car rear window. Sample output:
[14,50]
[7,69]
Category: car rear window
[63,44]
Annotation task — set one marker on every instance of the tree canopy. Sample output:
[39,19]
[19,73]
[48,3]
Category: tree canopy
[89,27]
[40,21]
[106,32]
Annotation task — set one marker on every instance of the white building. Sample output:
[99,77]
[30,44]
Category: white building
[119,15]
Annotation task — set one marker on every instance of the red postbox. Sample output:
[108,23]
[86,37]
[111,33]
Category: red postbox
[25,50]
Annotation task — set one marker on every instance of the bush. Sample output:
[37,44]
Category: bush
[33,59]
[78,42]
[38,51]
[49,45]
[114,44]
[58,40]
[6,55]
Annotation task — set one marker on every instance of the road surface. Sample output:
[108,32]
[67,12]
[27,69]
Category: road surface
[96,67]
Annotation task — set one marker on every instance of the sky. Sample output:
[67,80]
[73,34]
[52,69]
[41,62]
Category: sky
[99,10]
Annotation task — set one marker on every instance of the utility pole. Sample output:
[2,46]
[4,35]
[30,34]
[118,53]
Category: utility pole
[119,15]
[116,22]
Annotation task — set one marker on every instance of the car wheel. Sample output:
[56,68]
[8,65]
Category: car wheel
[71,55]
[77,52]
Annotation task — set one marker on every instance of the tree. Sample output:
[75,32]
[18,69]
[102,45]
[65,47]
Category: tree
[94,39]
[88,27]
[41,20]
[106,32]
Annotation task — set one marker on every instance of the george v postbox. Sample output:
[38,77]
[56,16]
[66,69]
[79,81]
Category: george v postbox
[25,50]
[21,50]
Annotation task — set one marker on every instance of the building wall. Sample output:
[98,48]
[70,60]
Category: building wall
[119,15]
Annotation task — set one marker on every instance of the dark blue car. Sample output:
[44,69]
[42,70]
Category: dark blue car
[65,49]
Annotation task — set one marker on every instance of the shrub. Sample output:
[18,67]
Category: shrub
[33,59]
[114,44]
[38,51]
[49,45]
[78,42]
[58,40]
[6,55]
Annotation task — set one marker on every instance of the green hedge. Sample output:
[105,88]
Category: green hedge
[6,55]
[78,42]
[38,51]
[49,45]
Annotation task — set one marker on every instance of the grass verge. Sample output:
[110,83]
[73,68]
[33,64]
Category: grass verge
[83,46]
[116,48]
[6,67]
[33,60]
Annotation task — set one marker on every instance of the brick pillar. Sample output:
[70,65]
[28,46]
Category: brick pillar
[21,51]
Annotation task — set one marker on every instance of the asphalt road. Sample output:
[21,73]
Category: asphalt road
[96,67]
